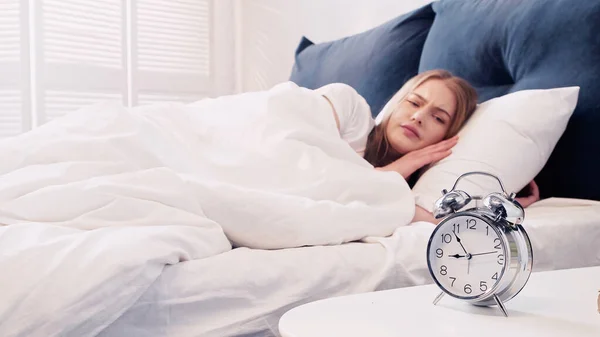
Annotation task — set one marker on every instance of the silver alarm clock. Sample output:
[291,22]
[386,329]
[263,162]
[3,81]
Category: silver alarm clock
[482,254]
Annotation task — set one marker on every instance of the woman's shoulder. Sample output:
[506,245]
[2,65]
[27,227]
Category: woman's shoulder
[353,111]
[339,89]
[345,98]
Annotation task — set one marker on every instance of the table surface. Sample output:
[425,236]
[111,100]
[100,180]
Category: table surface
[553,303]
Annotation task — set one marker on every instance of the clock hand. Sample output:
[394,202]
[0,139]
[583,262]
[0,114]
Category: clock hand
[456,256]
[484,253]
[459,241]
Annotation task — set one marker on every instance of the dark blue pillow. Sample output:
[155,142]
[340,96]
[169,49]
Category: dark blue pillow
[501,47]
[376,63]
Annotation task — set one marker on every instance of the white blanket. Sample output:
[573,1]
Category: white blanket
[95,204]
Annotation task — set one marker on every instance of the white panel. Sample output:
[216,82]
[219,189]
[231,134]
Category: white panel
[81,55]
[171,52]
[14,80]
[82,32]
[269,31]
[10,113]
[10,29]
[173,36]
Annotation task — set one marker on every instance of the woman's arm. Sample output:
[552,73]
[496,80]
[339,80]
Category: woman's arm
[422,214]
[531,191]
[530,194]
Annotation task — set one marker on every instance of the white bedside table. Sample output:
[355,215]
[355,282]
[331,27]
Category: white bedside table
[555,303]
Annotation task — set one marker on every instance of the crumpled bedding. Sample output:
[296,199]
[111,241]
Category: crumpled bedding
[94,205]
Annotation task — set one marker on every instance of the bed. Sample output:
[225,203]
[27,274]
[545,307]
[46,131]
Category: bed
[244,292]
[208,287]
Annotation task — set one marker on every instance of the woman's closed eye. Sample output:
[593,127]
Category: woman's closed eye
[439,119]
[413,103]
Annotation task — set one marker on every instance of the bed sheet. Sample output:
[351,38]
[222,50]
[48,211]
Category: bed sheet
[244,292]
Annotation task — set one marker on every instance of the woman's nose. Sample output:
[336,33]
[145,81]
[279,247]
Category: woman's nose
[418,116]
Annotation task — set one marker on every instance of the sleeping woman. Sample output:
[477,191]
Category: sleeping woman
[417,127]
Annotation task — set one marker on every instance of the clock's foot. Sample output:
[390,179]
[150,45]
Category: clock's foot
[500,305]
[438,298]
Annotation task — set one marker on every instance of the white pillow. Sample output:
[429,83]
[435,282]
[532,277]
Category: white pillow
[511,137]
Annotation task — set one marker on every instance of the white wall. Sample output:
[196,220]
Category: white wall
[268,31]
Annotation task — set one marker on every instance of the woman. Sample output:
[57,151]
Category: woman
[418,126]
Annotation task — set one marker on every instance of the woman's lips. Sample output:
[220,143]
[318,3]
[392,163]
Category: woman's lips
[410,131]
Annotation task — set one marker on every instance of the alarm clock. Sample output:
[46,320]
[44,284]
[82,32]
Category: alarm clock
[481,255]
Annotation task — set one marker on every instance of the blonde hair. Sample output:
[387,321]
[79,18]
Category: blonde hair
[378,151]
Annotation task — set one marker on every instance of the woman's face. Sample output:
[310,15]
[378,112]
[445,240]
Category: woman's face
[422,118]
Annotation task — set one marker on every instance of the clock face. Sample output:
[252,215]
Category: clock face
[466,256]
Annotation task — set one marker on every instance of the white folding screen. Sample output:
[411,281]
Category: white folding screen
[59,55]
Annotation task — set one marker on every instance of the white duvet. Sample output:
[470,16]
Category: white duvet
[94,205]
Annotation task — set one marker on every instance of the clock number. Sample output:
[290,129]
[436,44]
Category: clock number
[443,270]
[467,289]
[500,259]
[482,286]
[456,228]
[498,245]
[447,238]
[495,276]
[487,230]
[471,224]
[453,279]
[439,253]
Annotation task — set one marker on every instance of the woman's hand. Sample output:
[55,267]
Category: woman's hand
[531,194]
[412,161]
